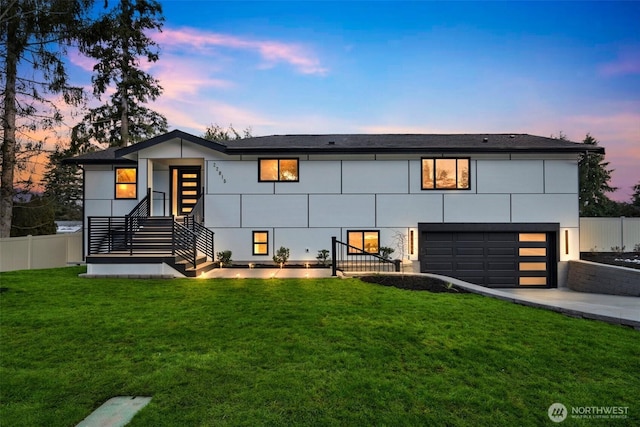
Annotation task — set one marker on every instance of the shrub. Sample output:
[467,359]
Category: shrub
[385,252]
[617,249]
[323,257]
[282,256]
[224,258]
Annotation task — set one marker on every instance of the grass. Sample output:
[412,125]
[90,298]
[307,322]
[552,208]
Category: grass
[298,352]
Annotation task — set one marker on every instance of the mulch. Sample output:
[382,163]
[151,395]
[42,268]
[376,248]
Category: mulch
[625,259]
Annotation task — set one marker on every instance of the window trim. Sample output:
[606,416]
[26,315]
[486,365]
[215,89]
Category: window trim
[278,159]
[435,160]
[254,243]
[349,253]
[116,183]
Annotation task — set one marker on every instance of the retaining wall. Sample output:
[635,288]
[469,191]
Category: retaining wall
[585,276]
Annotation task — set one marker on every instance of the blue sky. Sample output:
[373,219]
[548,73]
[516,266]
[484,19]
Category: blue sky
[407,67]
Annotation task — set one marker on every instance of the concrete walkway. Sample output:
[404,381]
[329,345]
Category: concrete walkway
[614,309]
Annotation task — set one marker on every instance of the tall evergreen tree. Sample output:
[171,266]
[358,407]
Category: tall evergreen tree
[594,183]
[117,42]
[33,36]
[63,185]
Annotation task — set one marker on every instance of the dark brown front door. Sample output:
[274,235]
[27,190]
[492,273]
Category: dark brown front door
[187,189]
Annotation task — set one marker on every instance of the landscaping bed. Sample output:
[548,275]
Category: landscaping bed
[273,265]
[413,283]
[625,259]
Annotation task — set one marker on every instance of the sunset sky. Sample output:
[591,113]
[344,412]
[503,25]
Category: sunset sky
[417,67]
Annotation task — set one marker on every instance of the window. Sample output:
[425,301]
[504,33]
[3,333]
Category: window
[369,241]
[126,183]
[445,174]
[261,243]
[276,170]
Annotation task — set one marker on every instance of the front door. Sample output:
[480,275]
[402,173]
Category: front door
[186,189]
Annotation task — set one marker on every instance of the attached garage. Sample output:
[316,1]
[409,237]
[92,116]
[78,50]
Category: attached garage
[492,255]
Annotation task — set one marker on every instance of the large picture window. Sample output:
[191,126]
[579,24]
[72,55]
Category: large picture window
[126,183]
[366,240]
[261,243]
[277,170]
[445,174]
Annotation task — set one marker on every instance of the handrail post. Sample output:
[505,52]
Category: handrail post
[149,201]
[173,237]
[128,232]
[334,264]
[195,250]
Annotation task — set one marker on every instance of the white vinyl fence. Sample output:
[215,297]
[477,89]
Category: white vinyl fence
[607,234]
[32,252]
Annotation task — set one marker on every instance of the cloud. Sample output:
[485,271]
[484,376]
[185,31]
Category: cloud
[83,62]
[627,63]
[180,78]
[271,52]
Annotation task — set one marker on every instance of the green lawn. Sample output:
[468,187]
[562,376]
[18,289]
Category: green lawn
[298,352]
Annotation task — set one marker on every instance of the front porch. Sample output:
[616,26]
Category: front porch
[144,245]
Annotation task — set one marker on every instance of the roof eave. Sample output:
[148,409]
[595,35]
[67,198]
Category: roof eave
[118,161]
[174,134]
[412,150]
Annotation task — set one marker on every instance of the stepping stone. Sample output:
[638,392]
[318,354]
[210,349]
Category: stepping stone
[115,412]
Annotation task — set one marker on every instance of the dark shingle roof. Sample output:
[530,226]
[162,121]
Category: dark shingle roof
[405,143]
[107,156]
[357,144]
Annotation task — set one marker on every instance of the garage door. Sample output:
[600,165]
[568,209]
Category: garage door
[491,258]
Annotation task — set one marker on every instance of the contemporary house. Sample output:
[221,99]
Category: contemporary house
[497,210]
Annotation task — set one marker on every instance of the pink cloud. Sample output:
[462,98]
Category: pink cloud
[83,62]
[181,78]
[271,52]
[627,62]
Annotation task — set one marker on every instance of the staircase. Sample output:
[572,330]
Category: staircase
[156,235]
[139,238]
[150,240]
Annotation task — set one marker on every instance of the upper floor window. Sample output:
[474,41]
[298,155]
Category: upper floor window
[369,241]
[275,170]
[445,174]
[126,183]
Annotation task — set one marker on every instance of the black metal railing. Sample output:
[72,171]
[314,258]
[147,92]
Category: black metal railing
[143,208]
[184,244]
[129,235]
[204,236]
[107,234]
[138,233]
[350,258]
[197,212]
